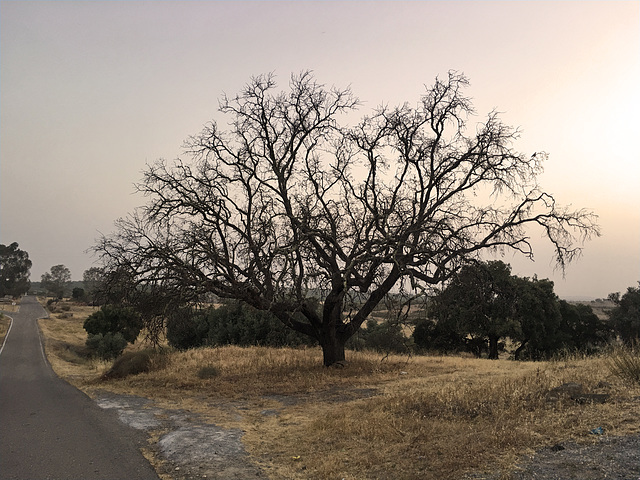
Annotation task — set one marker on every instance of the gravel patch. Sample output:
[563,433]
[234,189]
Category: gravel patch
[615,458]
[191,447]
[133,411]
[194,449]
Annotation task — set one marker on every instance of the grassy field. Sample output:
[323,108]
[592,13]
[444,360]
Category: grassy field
[397,417]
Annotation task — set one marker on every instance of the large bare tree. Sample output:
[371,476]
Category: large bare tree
[285,206]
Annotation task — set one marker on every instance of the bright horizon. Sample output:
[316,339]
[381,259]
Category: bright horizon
[92,91]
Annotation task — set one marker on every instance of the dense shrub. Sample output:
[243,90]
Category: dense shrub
[106,346]
[187,328]
[110,329]
[233,324]
[440,336]
[384,337]
[131,363]
[240,324]
[112,319]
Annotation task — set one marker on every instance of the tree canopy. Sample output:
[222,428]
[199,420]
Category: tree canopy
[92,279]
[56,280]
[480,302]
[625,316]
[484,304]
[287,205]
[14,270]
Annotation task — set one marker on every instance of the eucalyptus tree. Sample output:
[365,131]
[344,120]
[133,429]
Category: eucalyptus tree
[92,279]
[285,207]
[57,280]
[14,270]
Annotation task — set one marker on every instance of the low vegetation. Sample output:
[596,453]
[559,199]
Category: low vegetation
[110,329]
[625,363]
[5,322]
[10,306]
[65,341]
[377,417]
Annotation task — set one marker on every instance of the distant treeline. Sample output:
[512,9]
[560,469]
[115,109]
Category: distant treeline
[37,288]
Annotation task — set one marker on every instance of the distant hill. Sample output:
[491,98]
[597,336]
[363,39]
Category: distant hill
[601,307]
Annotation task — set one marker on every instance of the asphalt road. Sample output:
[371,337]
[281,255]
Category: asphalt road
[51,430]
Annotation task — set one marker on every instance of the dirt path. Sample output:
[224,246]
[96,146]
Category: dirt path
[611,458]
[615,458]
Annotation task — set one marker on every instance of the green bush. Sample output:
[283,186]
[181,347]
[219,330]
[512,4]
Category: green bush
[106,346]
[442,336]
[110,329]
[187,328]
[383,337]
[113,319]
[232,324]
[240,324]
[78,294]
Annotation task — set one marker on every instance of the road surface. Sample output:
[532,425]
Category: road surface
[51,430]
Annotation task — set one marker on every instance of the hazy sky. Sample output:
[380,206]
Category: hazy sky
[91,91]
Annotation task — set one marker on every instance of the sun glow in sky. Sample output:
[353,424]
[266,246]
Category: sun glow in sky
[92,91]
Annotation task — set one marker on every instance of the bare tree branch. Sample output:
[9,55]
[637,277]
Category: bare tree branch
[286,205]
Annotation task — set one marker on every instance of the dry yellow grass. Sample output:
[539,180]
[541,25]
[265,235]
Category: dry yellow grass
[10,306]
[423,417]
[64,338]
[5,322]
[444,417]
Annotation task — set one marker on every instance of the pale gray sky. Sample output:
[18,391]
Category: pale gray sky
[90,91]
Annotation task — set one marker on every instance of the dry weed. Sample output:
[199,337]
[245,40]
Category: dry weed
[424,417]
[5,322]
[10,306]
[624,362]
[426,427]
[64,339]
